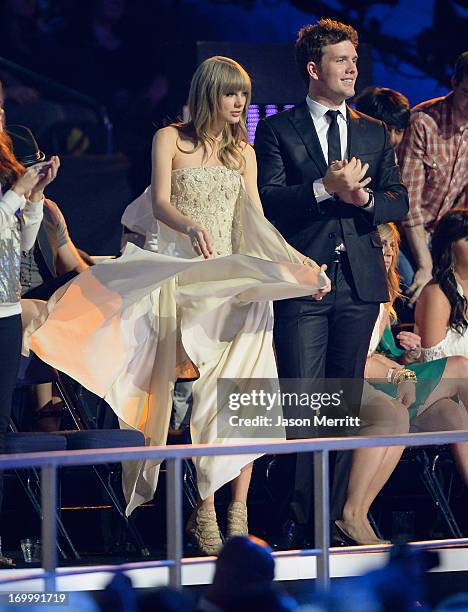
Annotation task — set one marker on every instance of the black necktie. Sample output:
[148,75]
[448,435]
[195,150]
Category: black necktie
[333,137]
[334,153]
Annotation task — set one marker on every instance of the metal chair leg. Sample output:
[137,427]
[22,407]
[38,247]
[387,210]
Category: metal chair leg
[119,508]
[190,483]
[82,422]
[71,401]
[433,486]
[38,509]
[25,483]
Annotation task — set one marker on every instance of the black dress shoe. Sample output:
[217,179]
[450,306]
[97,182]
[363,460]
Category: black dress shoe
[339,537]
[292,536]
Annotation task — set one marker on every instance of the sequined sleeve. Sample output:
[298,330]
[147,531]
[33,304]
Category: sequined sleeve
[10,202]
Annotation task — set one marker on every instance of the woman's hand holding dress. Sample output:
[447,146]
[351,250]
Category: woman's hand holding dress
[201,240]
[321,269]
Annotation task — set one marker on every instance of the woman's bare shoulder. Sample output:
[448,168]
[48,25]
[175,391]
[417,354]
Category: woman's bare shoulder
[432,310]
[433,294]
[432,314]
[167,135]
[249,153]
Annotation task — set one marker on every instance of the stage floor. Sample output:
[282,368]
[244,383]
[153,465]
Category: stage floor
[290,566]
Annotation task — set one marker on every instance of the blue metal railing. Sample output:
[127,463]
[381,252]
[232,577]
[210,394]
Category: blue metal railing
[49,463]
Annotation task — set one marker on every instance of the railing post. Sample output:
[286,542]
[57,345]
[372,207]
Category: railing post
[49,525]
[322,517]
[174,529]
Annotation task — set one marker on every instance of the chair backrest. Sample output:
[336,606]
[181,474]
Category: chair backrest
[34,442]
[33,371]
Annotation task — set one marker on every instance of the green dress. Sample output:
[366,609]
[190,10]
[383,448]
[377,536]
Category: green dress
[429,374]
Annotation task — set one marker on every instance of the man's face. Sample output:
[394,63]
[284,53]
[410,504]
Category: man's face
[334,78]
[396,135]
[460,98]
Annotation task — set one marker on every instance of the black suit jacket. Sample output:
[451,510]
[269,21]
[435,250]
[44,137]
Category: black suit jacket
[290,159]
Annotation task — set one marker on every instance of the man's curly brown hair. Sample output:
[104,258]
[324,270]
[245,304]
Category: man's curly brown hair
[312,38]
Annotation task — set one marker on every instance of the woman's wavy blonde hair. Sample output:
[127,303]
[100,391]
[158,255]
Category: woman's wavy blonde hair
[389,231]
[215,77]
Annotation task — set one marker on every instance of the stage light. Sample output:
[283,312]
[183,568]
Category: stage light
[257,112]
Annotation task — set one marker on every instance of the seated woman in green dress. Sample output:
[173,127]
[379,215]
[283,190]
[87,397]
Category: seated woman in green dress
[434,394]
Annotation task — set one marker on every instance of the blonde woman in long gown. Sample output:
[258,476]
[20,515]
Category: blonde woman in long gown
[125,328]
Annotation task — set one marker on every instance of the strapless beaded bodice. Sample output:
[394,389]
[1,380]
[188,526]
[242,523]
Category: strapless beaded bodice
[208,195]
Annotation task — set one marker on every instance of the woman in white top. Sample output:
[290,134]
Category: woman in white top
[21,202]
[442,309]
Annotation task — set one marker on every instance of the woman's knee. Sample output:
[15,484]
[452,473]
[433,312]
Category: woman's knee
[395,421]
[458,367]
[451,415]
[444,415]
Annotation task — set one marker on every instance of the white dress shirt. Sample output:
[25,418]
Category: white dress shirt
[322,121]
[318,113]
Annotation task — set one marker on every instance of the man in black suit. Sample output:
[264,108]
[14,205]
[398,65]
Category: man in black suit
[327,179]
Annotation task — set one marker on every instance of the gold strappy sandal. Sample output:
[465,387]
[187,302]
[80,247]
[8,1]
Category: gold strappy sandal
[237,519]
[202,527]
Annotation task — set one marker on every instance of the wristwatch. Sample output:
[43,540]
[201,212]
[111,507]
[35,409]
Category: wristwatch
[371,197]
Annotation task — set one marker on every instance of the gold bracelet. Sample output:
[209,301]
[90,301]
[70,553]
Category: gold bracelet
[404,374]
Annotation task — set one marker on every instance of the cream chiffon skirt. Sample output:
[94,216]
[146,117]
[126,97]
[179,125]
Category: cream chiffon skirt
[114,329]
